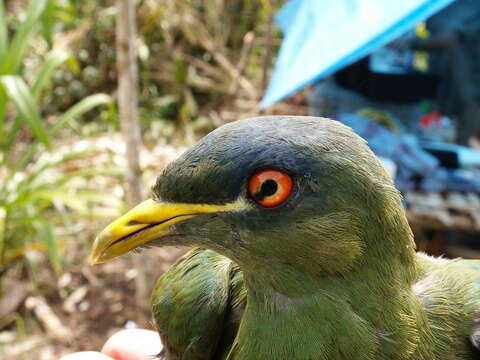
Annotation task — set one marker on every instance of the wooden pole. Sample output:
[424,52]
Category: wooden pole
[267,60]
[126,34]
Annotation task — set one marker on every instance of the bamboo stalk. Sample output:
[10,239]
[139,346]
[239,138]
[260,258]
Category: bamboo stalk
[268,46]
[126,34]
[248,40]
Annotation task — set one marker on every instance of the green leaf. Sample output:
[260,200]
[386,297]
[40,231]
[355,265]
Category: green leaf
[78,201]
[79,109]
[3,111]
[75,111]
[83,174]
[39,168]
[20,95]
[3,31]
[74,65]
[52,60]
[3,218]
[48,21]
[14,129]
[10,63]
[48,236]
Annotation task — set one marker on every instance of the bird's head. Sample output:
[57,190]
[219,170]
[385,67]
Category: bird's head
[301,193]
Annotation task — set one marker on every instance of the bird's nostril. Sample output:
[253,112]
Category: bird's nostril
[132,223]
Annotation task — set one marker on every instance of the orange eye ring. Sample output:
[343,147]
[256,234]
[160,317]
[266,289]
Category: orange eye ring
[270,188]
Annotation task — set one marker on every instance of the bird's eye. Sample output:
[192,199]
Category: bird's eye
[270,188]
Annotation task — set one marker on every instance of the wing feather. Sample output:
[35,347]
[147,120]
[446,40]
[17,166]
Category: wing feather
[197,306]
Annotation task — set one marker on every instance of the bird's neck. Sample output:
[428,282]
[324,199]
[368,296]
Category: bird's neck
[297,316]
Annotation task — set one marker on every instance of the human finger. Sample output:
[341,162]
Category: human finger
[86,355]
[133,344]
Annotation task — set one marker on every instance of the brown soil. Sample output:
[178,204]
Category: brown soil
[92,301]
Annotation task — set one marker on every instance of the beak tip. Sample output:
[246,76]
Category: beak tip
[147,221]
[94,254]
[93,260]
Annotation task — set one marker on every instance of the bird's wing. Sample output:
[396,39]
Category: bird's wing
[197,306]
[475,334]
[450,291]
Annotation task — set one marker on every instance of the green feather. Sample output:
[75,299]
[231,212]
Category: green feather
[197,306]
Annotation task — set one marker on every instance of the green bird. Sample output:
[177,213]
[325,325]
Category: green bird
[303,252]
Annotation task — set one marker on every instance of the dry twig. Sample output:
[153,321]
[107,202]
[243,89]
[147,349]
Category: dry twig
[49,320]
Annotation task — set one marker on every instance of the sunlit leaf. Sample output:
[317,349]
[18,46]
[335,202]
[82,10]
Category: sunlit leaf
[74,65]
[63,212]
[79,200]
[39,168]
[20,95]
[12,133]
[3,216]
[191,103]
[53,59]
[3,111]
[10,63]
[48,236]
[3,31]
[79,109]
[81,174]
[48,21]
[74,202]
[64,119]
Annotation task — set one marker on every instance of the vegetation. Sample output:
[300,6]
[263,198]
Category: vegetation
[34,195]
[201,63]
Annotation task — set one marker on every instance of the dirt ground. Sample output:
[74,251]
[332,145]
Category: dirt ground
[87,305]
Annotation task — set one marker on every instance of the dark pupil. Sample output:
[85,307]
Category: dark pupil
[269,188]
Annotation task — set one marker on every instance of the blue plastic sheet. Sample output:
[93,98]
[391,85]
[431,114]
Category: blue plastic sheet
[323,36]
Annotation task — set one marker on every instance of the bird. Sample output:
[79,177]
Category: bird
[301,250]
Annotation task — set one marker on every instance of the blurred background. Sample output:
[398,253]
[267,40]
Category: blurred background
[96,97]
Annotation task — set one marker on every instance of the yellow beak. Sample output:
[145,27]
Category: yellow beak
[148,221]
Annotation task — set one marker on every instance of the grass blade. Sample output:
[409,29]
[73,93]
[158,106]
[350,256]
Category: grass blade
[48,236]
[79,109]
[3,223]
[12,133]
[52,60]
[3,112]
[3,31]
[39,168]
[10,64]
[48,22]
[20,95]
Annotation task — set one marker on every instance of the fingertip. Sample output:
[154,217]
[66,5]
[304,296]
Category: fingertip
[133,344]
[86,355]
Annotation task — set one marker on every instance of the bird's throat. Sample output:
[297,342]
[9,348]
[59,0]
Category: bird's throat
[275,326]
[325,317]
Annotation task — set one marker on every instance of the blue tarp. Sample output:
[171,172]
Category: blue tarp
[323,36]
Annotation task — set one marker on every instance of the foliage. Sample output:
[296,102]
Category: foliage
[34,191]
[201,61]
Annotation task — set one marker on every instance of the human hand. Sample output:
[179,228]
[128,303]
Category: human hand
[134,344]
